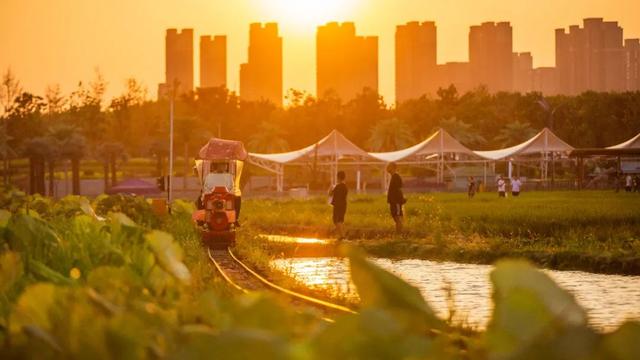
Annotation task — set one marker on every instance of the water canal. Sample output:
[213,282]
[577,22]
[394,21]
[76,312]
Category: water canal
[608,299]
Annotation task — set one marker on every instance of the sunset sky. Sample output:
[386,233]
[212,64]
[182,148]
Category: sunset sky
[62,41]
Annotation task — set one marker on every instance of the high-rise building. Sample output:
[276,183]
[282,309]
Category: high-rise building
[590,58]
[346,63]
[522,72]
[261,75]
[490,55]
[416,60]
[178,62]
[632,64]
[213,61]
[545,80]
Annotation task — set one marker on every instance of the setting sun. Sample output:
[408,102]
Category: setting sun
[308,13]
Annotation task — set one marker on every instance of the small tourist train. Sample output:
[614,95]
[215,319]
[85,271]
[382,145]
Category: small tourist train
[219,168]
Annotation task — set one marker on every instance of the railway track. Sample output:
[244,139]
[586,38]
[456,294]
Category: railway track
[244,279]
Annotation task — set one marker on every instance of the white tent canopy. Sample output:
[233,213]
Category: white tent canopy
[330,150]
[335,146]
[543,142]
[439,143]
[633,143]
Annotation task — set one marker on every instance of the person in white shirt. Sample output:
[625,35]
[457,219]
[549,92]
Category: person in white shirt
[502,187]
[628,183]
[515,186]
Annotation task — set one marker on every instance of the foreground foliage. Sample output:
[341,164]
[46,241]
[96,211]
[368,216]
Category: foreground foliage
[76,284]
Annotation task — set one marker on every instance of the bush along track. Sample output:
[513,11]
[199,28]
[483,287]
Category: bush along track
[79,284]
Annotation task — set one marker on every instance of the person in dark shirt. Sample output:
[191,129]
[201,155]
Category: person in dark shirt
[339,201]
[471,187]
[395,197]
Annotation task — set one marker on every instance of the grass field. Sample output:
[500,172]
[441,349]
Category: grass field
[593,231]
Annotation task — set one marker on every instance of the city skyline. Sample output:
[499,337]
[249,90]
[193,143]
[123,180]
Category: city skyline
[138,51]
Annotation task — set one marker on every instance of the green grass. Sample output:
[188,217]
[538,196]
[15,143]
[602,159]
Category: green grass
[593,231]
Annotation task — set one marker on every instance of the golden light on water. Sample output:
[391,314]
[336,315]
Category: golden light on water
[294,239]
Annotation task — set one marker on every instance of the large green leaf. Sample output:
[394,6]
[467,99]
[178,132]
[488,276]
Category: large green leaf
[379,288]
[168,255]
[11,269]
[43,272]
[624,343]
[32,308]
[27,233]
[533,317]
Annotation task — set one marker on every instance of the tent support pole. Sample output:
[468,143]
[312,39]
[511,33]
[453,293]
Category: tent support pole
[485,175]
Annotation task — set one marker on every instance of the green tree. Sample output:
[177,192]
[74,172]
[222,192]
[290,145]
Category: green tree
[389,135]
[39,150]
[269,138]
[462,131]
[71,146]
[110,153]
[515,133]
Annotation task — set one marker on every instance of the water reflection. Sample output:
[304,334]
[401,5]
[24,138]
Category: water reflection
[609,299]
[293,239]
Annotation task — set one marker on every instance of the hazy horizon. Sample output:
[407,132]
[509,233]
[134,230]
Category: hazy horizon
[63,42]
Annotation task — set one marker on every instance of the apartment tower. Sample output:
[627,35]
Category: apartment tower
[416,60]
[491,56]
[178,62]
[213,61]
[591,57]
[346,63]
[261,75]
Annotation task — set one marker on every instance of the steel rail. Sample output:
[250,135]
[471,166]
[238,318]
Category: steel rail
[268,284]
[291,293]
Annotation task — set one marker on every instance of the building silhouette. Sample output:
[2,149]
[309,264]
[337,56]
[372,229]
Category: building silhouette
[213,61]
[178,62]
[522,72]
[632,64]
[416,60]
[261,75]
[490,55]
[591,57]
[346,63]
[545,80]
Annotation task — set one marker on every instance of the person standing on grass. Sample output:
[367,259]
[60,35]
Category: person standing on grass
[339,201]
[395,197]
[502,187]
[628,186]
[472,187]
[515,186]
[636,183]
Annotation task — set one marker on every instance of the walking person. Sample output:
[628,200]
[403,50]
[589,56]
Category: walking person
[395,197]
[471,187]
[515,186]
[339,201]
[502,186]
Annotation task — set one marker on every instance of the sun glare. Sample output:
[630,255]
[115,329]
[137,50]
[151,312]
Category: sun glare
[308,13]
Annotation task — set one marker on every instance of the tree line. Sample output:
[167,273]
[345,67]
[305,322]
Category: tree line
[53,127]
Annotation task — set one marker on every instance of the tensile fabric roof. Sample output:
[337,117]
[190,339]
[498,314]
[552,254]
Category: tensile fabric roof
[633,143]
[334,145]
[543,142]
[440,142]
